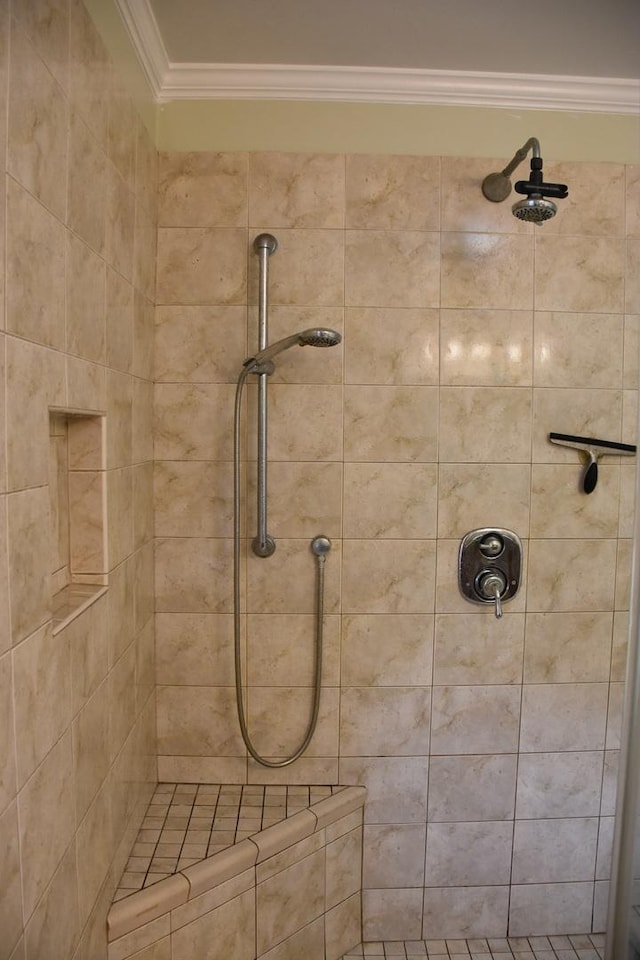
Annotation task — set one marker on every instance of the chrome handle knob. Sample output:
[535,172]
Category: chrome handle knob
[491,585]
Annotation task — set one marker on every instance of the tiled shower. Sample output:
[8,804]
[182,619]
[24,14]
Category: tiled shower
[488,748]
[468,337]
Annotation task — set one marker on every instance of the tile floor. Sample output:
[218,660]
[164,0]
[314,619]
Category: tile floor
[578,947]
[186,822]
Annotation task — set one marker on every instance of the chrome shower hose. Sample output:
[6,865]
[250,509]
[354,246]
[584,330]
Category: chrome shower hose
[320,555]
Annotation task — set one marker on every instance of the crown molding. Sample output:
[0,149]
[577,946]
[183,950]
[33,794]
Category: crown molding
[385,85]
[214,81]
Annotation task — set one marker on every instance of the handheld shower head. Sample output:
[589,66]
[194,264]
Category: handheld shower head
[315,337]
[535,208]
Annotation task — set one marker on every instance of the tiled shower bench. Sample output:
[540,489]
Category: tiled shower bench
[241,872]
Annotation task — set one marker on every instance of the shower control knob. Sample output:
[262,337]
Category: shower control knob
[491,546]
[491,585]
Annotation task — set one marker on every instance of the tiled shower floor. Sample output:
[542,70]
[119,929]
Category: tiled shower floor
[186,822]
[579,947]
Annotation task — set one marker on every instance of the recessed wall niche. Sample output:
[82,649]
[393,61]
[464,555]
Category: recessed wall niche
[77,488]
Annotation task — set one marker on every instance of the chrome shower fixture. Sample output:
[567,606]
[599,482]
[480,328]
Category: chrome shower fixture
[315,337]
[535,208]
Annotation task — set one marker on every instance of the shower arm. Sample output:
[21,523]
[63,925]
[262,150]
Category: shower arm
[521,154]
[262,544]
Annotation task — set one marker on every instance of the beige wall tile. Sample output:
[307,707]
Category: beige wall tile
[94,835]
[559,785]
[202,189]
[474,788]
[232,926]
[396,786]
[184,426]
[468,854]
[393,856]
[192,576]
[47,821]
[631,351]
[142,421]
[11,902]
[559,507]
[544,909]
[281,650]
[563,717]
[90,733]
[389,268]
[344,867]
[573,349]
[486,347]
[87,548]
[119,487]
[87,183]
[384,721]
[393,193]
[38,123]
[470,495]
[632,286]
[485,424]
[198,720]
[8,785]
[576,274]
[145,247]
[35,269]
[390,500]
[308,269]
[290,900]
[89,652]
[567,647]
[3,411]
[478,719]
[42,698]
[201,265]
[85,292]
[632,197]
[604,216]
[119,313]
[35,379]
[278,719]
[388,576]
[54,926]
[469,649]
[122,128]
[194,648]
[405,418]
[292,409]
[554,850]
[343,926]
[304,498]
[89,71]
[47,26]
[487,271]
[30,560]
[390,346]
[289,587]
[391,913]
[200,344]
[564,575]
[386,650]
[296,189]
[465,912]
[142,504]
[119,231]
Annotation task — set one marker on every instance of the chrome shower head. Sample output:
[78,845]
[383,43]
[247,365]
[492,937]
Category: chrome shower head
[534,208]
[315,337]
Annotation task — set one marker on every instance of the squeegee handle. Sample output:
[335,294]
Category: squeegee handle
[590,477]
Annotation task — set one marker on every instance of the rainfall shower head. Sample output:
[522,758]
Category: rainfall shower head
[535,208]
[315,337]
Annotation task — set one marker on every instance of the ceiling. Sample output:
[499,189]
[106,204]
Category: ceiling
[575,38]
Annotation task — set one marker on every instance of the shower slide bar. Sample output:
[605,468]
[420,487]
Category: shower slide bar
[264,245]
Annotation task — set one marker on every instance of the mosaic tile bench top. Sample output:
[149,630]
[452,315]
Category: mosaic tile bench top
[186,822]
